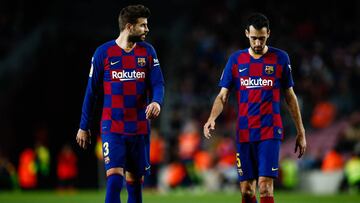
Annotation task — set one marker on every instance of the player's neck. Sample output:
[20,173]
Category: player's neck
[123,42]
[258,55]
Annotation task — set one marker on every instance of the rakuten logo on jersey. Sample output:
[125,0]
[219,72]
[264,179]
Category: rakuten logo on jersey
[126,76]
[256,83]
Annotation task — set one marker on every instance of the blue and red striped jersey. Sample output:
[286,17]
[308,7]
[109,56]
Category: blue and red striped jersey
[257,84]
[128,81]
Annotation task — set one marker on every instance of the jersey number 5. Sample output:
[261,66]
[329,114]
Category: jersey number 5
[238,160]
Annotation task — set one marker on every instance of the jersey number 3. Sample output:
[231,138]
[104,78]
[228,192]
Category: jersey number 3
[106,148]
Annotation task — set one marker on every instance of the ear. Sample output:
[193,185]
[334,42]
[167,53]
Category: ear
[268,33]
[128,26]
[246,33]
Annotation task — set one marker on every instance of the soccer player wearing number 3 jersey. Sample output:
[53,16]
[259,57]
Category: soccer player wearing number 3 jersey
[257,74]
[126,73]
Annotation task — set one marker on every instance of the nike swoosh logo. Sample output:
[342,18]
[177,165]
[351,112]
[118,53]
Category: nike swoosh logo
[147,168]
[274,169]
[242,70]
[113,63]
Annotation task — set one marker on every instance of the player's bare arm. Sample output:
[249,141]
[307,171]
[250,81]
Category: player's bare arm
[216,110]
[152,110]
[294,109]
[83,138]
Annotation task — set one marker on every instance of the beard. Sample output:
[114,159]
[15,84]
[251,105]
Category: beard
[136,38]
[258,50]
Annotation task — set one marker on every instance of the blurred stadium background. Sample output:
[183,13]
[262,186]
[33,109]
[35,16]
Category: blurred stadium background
[45,52]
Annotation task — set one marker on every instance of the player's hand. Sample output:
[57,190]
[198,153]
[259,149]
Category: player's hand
[209,125]
[83,138]
[300,143]
[152,110]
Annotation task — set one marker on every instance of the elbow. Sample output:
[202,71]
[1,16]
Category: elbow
[222,99]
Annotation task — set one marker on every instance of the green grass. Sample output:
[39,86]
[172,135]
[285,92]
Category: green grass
[173,197]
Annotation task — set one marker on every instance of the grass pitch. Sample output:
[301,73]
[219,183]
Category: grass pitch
[172,197]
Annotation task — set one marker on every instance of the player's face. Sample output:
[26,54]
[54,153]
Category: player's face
[139,30]
[257,38]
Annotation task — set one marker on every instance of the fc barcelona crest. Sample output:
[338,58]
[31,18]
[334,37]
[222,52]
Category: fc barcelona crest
[141,62]
[269,70]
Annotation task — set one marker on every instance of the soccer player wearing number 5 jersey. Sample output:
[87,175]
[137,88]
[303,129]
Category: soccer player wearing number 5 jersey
[257,74]
[126,73]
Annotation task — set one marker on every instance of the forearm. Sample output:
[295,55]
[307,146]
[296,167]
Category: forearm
[157,83]
[90,98]
[158,93]
[87,111]
[217,107]
[294,110]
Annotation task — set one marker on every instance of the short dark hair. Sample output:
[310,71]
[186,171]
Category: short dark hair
[131,13]
[258,20]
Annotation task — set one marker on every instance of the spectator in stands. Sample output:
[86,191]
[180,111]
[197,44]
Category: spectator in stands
[350,135]
[8,176]
[323,114]
[157,158]
[352,170]
[333,161]
[289,172]
[67,169]
[27,169]
[189,143]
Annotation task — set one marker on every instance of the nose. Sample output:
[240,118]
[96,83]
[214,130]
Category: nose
[257,42]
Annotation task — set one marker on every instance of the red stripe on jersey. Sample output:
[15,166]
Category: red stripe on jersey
[256,69]
[254,122]
[270,58]
[128,62]
[244,135]
[107,87]
[243,109]
[266,108]
[114,51]
[254,95]
[106,114]
[117,101]
[277,120]
[243,58]
[140,51]
[117,126]
[235,71]
[129,88]
[267,133]
[142,127]
[106,64]
[276,95]
[130,114]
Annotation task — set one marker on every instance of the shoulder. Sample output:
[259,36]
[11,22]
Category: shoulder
[282,55]
[146,45]
[103,48]
[236,55]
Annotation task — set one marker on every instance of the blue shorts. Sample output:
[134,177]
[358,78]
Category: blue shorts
[255,159]
[128,152]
